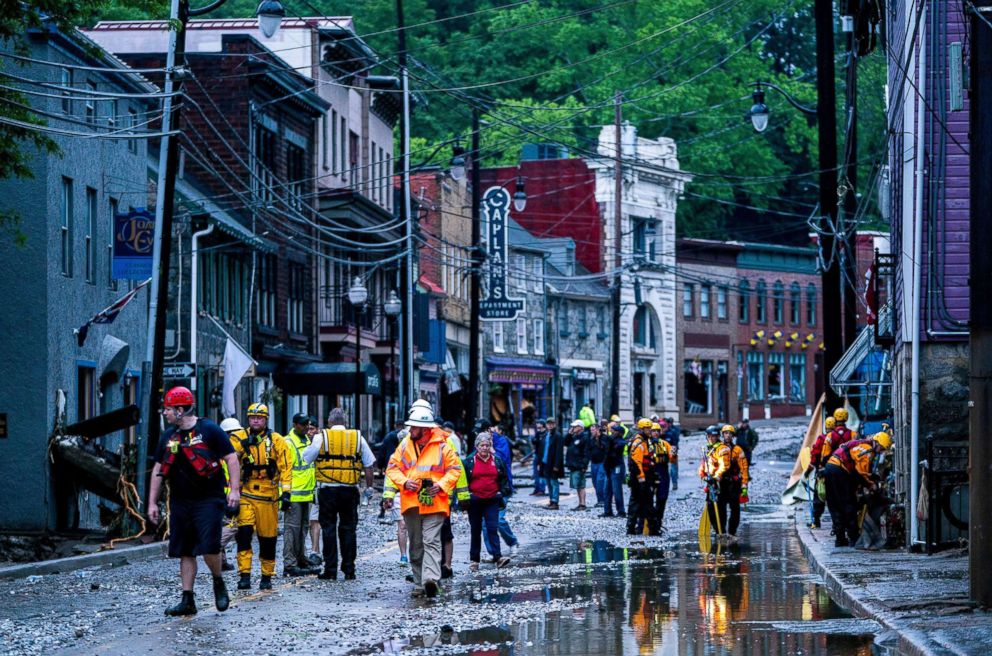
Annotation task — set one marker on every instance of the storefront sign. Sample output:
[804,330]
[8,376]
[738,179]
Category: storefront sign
[584,375]
[134,234]
[497,305]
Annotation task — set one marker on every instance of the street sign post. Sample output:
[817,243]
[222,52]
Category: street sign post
[179,370]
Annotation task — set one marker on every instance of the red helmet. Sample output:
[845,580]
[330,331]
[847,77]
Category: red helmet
[178,397]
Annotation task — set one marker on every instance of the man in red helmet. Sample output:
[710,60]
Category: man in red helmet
[190,456]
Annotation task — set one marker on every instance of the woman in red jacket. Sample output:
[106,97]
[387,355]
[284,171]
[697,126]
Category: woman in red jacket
[489,486]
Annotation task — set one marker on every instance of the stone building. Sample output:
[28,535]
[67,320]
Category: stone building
[62,275]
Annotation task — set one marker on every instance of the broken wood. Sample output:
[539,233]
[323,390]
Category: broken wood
[86,467]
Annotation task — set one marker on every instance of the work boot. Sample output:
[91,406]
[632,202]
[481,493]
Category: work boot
[349,576]
[446,572]
[226,567]
[328,575]
[552,506]
[431,588]
[221,599]
[265,583]
[841,541]
[186,606]
[244,583]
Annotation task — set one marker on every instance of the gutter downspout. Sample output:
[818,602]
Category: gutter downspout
[194,285]
[914,427]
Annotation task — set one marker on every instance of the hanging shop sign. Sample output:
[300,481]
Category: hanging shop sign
[497,305]
[134,234]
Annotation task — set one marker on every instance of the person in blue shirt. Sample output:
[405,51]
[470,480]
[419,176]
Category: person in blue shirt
[671,434]
[552,454]
[501,445]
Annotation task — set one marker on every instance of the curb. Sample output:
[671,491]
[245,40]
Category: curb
[910,642]
[109,558]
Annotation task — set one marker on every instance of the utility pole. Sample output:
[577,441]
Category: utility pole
[617,243]
[850,186]
[407,282]
[826,106]
[474,327]
[980,415]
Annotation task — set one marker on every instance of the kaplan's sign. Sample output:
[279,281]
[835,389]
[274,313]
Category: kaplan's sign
[497,305]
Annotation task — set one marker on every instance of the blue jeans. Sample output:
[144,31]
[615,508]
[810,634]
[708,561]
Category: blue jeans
[483,513]
[599,481]
[613,490]
[673,473]
[539,482]
[554,489]
[505,531]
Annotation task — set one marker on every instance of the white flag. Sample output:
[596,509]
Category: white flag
[236,364]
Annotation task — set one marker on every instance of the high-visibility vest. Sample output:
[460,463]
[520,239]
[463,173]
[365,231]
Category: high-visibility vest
[303,477]
[340,458]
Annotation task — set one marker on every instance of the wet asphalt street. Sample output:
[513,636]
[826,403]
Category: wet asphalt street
[578,585]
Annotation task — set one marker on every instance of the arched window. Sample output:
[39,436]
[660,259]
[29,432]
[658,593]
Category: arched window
[645,328]
[778,302]
[744,301]
[761,302]
[811,304]
[795,294]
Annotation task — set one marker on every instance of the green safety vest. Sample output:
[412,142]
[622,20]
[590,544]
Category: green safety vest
[304,478]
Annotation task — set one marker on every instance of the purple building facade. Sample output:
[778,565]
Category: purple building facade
[928,187]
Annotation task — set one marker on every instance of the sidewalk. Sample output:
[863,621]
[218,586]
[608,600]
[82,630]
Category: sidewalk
[922,600]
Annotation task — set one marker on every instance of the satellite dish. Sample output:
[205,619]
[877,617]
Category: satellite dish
[114,354]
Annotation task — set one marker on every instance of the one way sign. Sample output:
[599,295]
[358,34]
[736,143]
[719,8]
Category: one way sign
[179,370]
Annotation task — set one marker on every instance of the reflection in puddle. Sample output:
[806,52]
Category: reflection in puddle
[756,597]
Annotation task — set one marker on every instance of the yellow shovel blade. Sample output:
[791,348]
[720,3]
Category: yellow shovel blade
[705,531]
[804,457]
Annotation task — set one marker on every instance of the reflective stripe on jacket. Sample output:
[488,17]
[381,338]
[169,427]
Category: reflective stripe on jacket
[436,462]
[461,488]
[340,457]
[299,478]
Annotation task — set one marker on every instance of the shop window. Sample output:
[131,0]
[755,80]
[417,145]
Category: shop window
[704,301]
[795,303]
[797,377]
[761,302]
[698,377]
[810,304]
[755,376]
[744,301]
[776,362]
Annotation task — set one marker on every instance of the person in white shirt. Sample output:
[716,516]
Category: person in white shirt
[342,456]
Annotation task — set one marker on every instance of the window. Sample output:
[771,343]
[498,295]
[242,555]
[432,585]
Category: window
[704,301]
[343,143]
[744,301]
[498,345]
[778,302]
[583,321]
[297,298]
[374,176]
[687,302]
[644,328]
[90,104]
[267,281]
[113,114]
[111,283]
[698,376]
[776,362]
[325,133]
[333,141]
[353,155]
[810,304]
[65,80]
[538,336]
[795,301]
[383,179]
[755,376]
[601,322]
[85,392]
[132,122]
[797,377]
[740,375]
[265,164]
[295,175]
[761,302]
[66,211]
[538,274]
[563,319]
[91,235]
[644,232]
[521,335]
[721,303]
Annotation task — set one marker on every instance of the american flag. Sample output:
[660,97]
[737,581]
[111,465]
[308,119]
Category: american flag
[109,313]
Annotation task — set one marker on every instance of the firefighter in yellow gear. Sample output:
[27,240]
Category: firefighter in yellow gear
[640,465]
[851,466]
[263,458]
[661,456]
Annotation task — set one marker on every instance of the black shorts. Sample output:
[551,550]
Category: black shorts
[195,526]
[446,534]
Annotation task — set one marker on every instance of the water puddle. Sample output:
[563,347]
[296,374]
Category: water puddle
[754,597]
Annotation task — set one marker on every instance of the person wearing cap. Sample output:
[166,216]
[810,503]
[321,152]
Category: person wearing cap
[341,456]
[587,415]
[454,438]
[577,460]
[552,455]
[540,433]
[426,470]
[301,477]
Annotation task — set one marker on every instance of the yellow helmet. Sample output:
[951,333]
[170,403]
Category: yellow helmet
[840,414]
[615,418]
[727,428]
[258,410]
[884,439]
[655,426]
[830,423]
[643,423]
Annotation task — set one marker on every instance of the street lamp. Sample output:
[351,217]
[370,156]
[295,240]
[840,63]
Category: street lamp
[392,307]
[519,196]
[759,110]
[457,162]
[270,14]
[358,295]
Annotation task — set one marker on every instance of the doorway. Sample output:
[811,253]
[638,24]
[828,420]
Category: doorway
[638,394]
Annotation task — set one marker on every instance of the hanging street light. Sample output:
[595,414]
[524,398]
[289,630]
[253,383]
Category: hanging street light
[759,110]
[270,14]
[458,162]
[520,196]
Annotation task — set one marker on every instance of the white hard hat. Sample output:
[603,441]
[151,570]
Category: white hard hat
[230,424]
[578,424]
[421,416]
[422,403]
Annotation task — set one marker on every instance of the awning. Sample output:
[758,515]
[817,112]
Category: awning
[864,362]
[320,378]
[522,371]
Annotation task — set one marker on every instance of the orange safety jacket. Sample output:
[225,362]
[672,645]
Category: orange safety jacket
[854,457]
[710,464]
[436,461]
[640,457]
[739,464]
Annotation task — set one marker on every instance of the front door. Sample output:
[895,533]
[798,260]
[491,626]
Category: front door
[638,395]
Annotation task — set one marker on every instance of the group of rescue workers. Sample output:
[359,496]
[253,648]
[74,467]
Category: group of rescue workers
[841,468]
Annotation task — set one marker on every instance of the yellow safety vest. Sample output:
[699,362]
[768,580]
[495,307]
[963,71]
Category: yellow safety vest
[340,457]
[304,476]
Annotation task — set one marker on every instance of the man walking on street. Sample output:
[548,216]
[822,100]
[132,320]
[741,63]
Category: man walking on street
[301,478]
[599,445]
[614,465]
[540,484]
[426,470]
[672,434]
[577,460]
[189,457]
[747,439]
[341,456]
[552,454]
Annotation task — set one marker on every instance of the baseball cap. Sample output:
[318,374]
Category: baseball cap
[301,419]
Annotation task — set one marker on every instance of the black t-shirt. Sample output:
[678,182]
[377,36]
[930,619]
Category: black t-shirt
[184,482]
